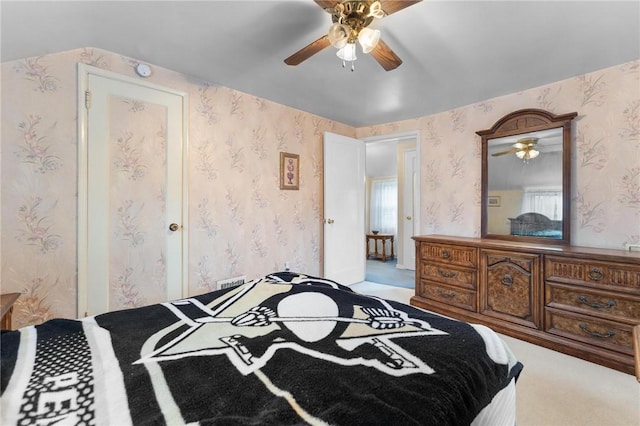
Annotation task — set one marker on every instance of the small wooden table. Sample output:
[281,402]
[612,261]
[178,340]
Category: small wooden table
[6,309]
[376,238]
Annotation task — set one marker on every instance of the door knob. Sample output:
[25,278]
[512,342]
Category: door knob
[408,217]
[174,227]
[330,221]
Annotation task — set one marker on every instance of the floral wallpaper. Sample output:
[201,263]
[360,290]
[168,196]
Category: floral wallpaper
[605,164]
[240,222]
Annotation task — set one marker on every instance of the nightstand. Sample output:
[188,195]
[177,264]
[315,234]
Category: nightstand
[7,300]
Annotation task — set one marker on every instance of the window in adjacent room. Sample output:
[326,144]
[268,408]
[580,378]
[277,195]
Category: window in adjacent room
[384,205]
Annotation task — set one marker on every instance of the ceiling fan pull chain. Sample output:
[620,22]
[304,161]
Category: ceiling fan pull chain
[353,65]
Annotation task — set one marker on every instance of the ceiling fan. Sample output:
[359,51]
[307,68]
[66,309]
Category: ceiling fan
[350,24]
[523,149]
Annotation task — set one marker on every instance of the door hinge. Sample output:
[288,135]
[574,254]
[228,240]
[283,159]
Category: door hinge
[87,99]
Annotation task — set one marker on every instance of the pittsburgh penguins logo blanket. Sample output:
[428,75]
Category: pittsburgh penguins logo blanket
[284,349]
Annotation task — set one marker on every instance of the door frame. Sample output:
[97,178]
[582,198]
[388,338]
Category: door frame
[400,137]
[83,178]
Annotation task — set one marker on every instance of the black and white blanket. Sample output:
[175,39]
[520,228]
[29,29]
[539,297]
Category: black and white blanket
[284,349]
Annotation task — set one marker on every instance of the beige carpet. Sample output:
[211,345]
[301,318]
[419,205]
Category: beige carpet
[556,389]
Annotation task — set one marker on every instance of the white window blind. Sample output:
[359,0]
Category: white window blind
[384,205]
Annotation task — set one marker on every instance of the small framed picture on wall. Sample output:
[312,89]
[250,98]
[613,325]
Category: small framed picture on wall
[493,201]
[289,171]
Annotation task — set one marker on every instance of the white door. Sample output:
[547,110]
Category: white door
[131,244]
[408,214]
[344,207]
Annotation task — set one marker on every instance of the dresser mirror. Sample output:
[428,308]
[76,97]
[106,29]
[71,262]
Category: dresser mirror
[526,177]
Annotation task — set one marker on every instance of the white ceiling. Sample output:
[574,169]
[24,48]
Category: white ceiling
[455,52]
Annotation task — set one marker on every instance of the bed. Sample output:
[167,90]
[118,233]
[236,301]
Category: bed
[533,224]
[283,349]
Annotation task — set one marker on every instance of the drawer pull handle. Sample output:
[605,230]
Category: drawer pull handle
[445,274]
[596,274]
[446,253]
[609,334]
[444,295]
[507,280]
[610,304]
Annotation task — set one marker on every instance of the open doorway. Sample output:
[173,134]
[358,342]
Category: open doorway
[392,208]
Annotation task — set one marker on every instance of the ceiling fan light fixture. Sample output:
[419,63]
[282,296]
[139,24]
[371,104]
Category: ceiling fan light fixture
[350,21]
[368,39]
[527,154]
[347,53]
[339,35]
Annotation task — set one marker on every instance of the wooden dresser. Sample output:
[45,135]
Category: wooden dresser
[580,301]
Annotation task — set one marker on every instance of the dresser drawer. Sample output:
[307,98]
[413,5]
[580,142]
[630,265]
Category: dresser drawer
[594,331]
[448,274]
[593,302]
[450,254]
[592,272]
[450,295]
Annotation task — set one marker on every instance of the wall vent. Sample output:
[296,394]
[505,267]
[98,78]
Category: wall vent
[231,282]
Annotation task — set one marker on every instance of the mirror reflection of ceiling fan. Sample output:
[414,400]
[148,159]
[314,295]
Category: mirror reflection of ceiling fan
[351,20]
[523,149]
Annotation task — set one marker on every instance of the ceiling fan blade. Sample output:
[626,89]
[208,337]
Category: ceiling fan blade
[308,51]
[326,4]
[392,6]
[508,151]
[385,56]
